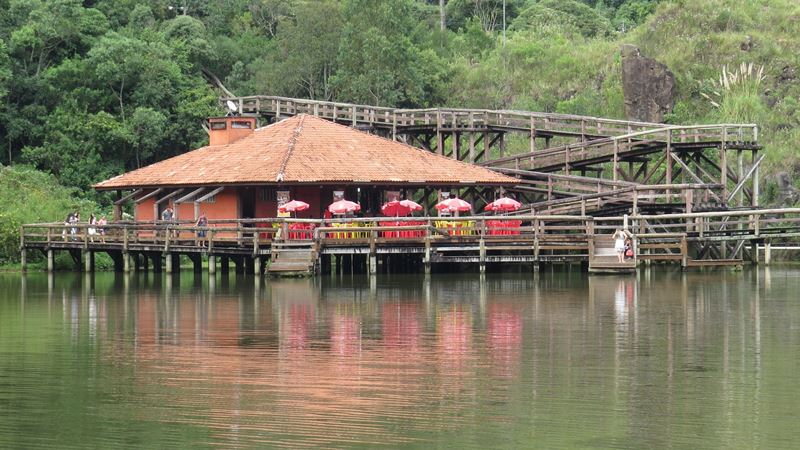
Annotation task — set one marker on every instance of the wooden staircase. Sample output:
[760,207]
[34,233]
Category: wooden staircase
[293,258]
[603,258]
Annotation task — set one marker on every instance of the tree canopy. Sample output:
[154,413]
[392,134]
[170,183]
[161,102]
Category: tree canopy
[89,89]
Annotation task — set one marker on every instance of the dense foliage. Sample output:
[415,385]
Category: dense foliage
[91,88]
[31,196]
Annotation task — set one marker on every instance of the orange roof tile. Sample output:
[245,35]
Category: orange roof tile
[307,149]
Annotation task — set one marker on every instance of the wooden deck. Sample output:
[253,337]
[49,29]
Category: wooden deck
[375,245]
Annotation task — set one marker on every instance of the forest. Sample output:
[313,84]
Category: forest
[89,89]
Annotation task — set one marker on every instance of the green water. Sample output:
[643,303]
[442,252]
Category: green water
[560,360]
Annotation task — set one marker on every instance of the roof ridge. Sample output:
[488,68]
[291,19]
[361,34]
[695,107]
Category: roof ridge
[292,143]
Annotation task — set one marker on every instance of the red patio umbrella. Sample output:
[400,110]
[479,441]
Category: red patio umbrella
[397,208]
[343,207]
[504,204]
[453,205]
[293,206]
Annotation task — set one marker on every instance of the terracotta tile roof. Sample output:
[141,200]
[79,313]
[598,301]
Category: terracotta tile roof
[307,149]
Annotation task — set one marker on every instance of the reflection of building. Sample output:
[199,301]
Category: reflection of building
[401,327]
[504,338]
[345,325]
[454,332]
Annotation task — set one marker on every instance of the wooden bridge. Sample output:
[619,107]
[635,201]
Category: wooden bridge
[720,161]
[371,245]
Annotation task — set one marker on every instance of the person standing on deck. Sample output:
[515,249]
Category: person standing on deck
[76,217]
[619,244]
[101,228]
[92,230]
[201,223]
[67,223]
[166,217]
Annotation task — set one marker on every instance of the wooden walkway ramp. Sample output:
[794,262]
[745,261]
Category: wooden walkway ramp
[604,259]
[293,258]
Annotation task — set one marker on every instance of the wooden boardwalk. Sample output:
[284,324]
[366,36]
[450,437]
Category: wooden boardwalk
[721,161]
[373,245]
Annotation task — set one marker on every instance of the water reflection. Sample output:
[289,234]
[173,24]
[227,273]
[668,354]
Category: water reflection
[665,359]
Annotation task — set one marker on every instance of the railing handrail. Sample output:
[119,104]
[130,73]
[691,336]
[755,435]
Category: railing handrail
[652,127]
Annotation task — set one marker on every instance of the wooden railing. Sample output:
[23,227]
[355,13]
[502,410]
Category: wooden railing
[686,195]
[441,118]
[253,234]
[613,147]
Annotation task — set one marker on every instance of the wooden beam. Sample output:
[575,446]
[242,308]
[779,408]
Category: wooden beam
[148,195]
[190,195]
[744,179]
[210,194]
[128,196]
[687,170]
[169,196]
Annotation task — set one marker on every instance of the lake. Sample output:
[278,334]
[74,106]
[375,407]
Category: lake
[558,359]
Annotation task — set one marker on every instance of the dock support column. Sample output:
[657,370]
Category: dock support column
[168,262]
[212,265]
[257,266]
[126,262]
[23,260]
[684,254]
[50,261]
[767,253]
[482,255]
[88,261]
[754,252]
[427,259]
[224,265]
[373,264]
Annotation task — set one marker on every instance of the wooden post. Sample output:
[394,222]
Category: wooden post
[684,253]
[50,258]
[482,255]
[754,252]
[668,160]
[427,260]
[168,262]
[616,159]
[212,265]
[224,265]
[767,252]
[723,164]
[88,261]
[257,265]
[126,262]
[754,200]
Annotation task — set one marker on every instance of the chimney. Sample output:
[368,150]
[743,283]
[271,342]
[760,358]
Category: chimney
[226,130]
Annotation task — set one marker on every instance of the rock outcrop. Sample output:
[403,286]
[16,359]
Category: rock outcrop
[787,194]
[648,86]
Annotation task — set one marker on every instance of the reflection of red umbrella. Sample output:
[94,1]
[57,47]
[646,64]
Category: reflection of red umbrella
[503,204]
[293,206]
[396,208]
[453,205]
[343,207]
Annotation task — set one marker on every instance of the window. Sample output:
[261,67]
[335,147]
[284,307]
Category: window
[240,124]
[268,195]
[212,199]
[218,125]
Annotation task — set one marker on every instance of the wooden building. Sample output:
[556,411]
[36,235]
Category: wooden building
[245,172]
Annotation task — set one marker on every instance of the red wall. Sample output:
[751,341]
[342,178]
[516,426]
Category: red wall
[226,205]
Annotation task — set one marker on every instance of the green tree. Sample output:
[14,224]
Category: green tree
[51,30]
[308,61]
[379,61]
